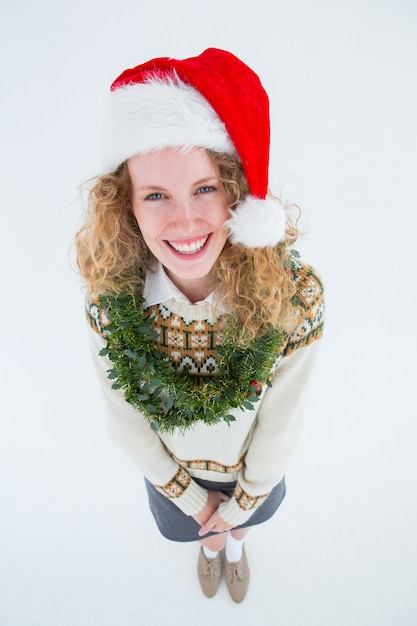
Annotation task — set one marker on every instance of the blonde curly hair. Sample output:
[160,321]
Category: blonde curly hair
[112,256]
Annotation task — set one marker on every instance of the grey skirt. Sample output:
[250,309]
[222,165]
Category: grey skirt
[177,526]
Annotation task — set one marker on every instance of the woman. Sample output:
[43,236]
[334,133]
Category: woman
[204,322]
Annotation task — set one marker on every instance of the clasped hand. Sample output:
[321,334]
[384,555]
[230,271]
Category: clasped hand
[209,517]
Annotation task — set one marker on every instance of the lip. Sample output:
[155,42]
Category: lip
[190,256]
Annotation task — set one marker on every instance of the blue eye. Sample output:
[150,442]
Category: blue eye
[205,189]
[155,196]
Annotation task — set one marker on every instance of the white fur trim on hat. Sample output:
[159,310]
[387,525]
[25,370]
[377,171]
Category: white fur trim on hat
[157,114]
[257,223]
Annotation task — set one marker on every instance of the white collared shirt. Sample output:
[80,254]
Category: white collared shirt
[160,288]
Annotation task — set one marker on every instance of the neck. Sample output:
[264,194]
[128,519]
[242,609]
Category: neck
[195,289]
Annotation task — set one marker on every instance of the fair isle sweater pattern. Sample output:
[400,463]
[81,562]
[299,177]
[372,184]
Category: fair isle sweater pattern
[308,307]
[190,345]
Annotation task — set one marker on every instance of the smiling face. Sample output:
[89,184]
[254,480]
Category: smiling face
[180,206]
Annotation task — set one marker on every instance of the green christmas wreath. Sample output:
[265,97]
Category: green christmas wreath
[169,398]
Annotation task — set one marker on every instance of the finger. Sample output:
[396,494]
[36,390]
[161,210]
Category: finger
[209,526]
[204,530]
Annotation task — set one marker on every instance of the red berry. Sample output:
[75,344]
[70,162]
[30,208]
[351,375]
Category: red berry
[257,386]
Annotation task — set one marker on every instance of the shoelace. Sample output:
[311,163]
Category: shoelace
[233,572]
[209,568]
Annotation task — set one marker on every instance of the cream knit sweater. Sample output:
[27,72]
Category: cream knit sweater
[253,450]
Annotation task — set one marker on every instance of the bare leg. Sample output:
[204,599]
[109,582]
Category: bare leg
[240,533]
[215,543]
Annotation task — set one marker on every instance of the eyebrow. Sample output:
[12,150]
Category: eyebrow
[202,181]
[149,188]
[207,179]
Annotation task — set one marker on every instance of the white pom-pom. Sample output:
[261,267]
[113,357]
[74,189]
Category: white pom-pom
[257,223]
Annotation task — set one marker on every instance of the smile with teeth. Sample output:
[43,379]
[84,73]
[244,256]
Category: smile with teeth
[189,248]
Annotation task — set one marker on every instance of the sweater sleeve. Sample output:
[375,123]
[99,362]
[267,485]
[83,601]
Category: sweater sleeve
[279,418]
[131,432]
[275,436]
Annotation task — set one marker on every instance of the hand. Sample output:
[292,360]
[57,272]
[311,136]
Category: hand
[215,524]
[211,506]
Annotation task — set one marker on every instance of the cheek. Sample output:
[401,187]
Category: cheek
[145,221]
[222,216]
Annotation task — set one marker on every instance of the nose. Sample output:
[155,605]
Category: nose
[184,215]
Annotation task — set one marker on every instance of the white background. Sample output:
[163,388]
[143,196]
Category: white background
[77,543]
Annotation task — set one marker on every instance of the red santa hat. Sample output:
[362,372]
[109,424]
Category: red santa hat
[211,101]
